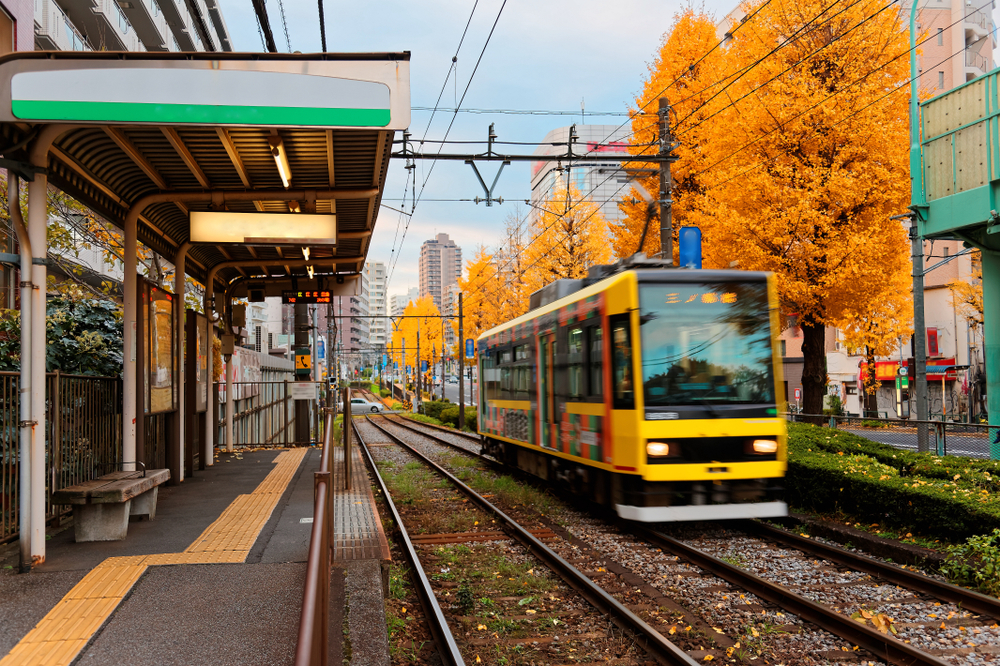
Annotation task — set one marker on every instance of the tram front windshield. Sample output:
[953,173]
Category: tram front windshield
[706,344]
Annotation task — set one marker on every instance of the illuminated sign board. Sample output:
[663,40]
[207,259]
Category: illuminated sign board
[707,297]
[305,297]
[263,228]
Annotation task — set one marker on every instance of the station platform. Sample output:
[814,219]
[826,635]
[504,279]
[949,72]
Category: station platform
[216,578]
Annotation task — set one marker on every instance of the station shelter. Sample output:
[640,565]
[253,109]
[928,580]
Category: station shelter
[252,173]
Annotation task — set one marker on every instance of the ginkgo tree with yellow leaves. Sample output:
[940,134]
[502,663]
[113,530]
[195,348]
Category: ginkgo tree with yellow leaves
[422,319]
[799,158]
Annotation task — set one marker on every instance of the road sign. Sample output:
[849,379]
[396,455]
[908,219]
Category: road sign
[423,366]
[321,349]
[470,348]
[798,394]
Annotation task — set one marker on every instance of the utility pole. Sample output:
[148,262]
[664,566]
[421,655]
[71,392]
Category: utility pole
[666,186]
[301,328]
[461,366]
[419,372]
[444,357]
[919,335]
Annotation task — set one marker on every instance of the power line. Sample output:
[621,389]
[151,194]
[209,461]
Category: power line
[284,23]
[448,131]
[322,27]
[524,112]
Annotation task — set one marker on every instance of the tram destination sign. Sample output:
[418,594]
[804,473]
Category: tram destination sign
[305,297]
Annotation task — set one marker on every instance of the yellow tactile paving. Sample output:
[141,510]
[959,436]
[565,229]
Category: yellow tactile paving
[65,630]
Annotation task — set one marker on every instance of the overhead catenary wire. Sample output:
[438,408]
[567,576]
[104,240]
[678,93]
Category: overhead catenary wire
[451,68]
[465,92]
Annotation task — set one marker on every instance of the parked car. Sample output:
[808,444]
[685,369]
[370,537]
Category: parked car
[362,405]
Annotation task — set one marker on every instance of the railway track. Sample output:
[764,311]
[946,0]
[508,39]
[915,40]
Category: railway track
[559,605]
[937,623]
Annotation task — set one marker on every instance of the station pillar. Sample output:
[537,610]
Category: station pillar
[991,339]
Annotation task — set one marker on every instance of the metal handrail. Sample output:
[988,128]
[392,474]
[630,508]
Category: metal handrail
[314,624]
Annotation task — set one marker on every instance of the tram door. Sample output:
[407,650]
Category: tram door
[545,391]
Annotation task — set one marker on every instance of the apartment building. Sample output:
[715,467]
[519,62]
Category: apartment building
[377,305]
[130,25]
[440,267]
[398,302]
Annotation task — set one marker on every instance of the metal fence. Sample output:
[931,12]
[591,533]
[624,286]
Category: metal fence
[264,414]
[943,437]
[83,438]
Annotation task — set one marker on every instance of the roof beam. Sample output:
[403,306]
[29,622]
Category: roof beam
[234,157]
[140,161]
[182,151]
[330,167]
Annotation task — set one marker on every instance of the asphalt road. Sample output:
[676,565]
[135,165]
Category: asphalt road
[973,446]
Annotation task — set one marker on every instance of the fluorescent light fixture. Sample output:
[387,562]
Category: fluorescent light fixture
[280,158]
[310,272]
[263,228]
[294,206]
[305,253]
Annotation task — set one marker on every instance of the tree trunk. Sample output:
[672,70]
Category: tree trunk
[871,392]
[813,368]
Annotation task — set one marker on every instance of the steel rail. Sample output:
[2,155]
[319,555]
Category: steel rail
[405,423]
[882,645]
[450,431]
[447,647]
[969,600]
[652,640]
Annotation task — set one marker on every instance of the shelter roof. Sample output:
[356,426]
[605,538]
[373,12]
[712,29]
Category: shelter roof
[203,126]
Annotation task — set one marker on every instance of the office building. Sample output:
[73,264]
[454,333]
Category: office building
[440,267]
[400,301]
[604,183]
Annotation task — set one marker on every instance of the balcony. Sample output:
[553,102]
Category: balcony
[53,31]
[976,64]
[179,21]
[103,24]
[149,22]
[977,24]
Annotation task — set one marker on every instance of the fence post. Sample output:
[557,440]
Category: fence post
[55,447]
[939,430]
[347,437]
[284,416]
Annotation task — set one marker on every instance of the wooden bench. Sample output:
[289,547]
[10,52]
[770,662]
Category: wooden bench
[101,507]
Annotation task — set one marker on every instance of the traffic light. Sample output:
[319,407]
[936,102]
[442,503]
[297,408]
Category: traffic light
[911,369]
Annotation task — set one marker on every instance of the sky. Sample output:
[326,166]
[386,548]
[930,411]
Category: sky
[543,54]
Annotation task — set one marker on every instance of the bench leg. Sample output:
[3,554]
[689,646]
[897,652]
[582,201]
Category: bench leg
[101,522]
[145,504]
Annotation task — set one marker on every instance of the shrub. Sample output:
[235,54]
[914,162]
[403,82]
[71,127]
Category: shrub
[830,471]
[433,408]
[397,406]
[975,563]
[385,393]
[449,416]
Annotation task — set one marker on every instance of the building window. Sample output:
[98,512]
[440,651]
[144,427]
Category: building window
[782,344]
[940,36]
[941,80]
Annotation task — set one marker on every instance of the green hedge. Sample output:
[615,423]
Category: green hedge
[830,471]
[449,416]
[980,471]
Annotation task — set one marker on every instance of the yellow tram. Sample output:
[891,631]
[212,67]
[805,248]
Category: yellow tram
[651,390]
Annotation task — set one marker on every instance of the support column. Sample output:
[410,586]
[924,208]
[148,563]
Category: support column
[130,259]
[37,224]
[920,337]
[211,411]
[991,342]
[230,400]
[27,430]
[177,466]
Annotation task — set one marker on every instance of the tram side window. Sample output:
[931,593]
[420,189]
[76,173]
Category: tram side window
[574,362]
[521,371]
[621,364]
[491,377]
[506,383]
[595,346]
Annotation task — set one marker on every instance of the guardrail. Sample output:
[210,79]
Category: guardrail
[314,624]
[972,440]
[82,438]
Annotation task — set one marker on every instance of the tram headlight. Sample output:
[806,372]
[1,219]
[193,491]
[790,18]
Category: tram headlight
[764,446]
[662,449]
